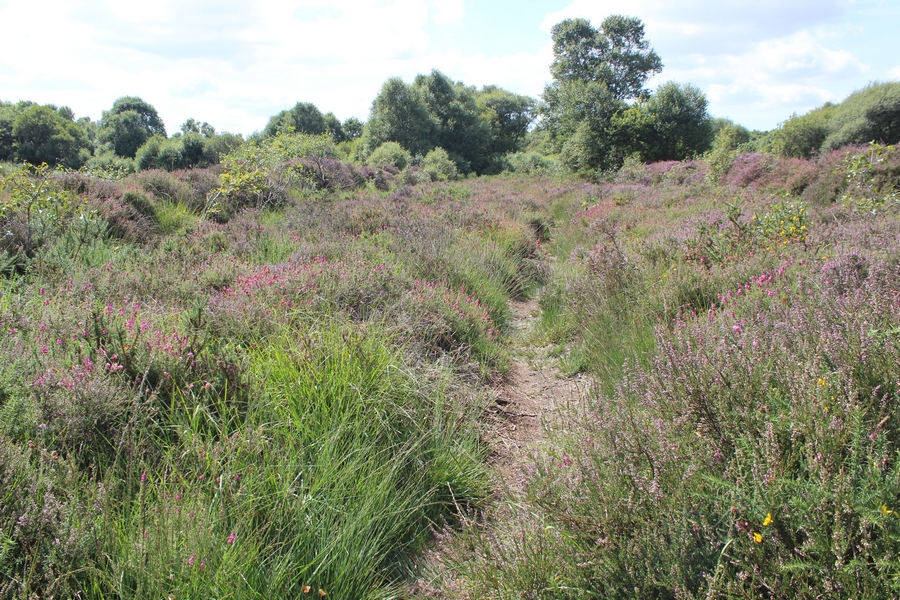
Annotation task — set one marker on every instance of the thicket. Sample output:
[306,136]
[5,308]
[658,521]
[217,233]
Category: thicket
[871,114]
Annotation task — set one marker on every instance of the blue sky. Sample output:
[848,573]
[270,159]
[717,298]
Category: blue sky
[234,63]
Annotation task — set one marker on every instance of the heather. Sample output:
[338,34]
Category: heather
[275,376]
[263,400]
[740,438]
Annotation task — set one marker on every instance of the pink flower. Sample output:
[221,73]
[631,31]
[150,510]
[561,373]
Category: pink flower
[192,559]
[231,538]
[144,477]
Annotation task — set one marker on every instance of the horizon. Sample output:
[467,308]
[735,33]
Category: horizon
[234,64]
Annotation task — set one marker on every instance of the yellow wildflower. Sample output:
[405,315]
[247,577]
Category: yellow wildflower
[768,520]
[886,511]
[757,537]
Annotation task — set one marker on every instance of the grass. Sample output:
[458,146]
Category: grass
[739,440]
[276,402]
[244,409]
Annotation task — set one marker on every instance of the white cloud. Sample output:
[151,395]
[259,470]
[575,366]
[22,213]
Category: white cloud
[448,11]
[234,63]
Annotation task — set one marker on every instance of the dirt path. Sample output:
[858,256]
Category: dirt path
[528,404]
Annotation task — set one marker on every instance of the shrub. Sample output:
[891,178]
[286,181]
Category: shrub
[390,153]
[437,163]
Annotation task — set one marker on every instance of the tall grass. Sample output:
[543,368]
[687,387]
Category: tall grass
[286,401]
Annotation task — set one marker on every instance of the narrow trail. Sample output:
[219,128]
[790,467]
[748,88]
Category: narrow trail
[534,399]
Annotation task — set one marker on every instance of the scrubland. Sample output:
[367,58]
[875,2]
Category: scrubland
[283,399]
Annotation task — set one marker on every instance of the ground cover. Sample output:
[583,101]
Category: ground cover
[740,439]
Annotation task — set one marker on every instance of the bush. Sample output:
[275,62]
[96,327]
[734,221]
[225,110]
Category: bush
[438,165]
[390,153]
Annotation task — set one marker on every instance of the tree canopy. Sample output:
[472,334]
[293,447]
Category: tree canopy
[597,111]
[472,126]
[128,124]
[44,134]
[304,117]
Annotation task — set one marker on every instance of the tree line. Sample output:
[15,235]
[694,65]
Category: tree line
[595,114]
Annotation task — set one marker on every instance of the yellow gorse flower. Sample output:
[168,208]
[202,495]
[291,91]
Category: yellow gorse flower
[886,511]
[768,520]
[757,537]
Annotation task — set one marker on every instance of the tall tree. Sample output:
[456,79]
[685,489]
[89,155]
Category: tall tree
[304,117]
[42,135]
[459,128]
[508,115]
[616,54]
[400,114]
[595,71]
[128,124]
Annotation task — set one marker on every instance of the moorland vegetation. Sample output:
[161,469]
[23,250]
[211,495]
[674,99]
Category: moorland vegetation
[260,368]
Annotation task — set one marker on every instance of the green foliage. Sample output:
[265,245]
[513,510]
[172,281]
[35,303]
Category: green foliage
[304,117]
[509,116]
[459,126]
[531,163]
[871,182]
[473,127]
[616,54]
[216,147]
[194,126]
[42,135]
[128,124]
[869,114]
[579,116]
[801,137]
[399,114]
[173,153]
[390,153]
[263,174]
[109,165]
[32,198]
[438,165]
[681,125]
[591,125]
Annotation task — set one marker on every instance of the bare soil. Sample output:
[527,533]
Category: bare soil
[528,403]
[532,399]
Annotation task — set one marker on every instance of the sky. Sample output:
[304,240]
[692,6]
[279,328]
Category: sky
[235,63]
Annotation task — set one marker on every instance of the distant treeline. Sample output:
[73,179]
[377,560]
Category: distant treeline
[595,114]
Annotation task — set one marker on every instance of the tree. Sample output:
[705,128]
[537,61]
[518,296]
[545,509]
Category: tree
[459,128]
[508,115]
[353,128]
[8,114]
[42,135]
[595,71]
[682,127]
[333,126]
[616,54]
[304,117]
[128,124]
[192,125]
[399,114]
